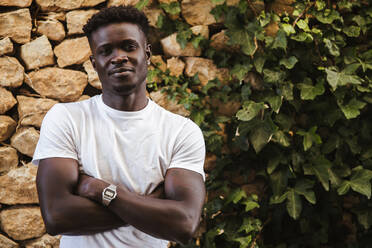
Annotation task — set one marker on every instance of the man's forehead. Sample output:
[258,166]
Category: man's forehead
[120,30]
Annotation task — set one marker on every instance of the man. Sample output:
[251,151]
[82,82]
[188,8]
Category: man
[101,160]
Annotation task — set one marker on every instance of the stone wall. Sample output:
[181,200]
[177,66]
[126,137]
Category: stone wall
[44,59]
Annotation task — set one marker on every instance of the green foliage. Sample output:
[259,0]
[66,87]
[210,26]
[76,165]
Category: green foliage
[303,128]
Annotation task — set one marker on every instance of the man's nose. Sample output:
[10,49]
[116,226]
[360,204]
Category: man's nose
[120,56]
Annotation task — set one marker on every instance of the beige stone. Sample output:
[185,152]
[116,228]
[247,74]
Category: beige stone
[121,2]
[18,186]
[223,74]
[281,7]
[93,78]
[25,140]
[77,19]
[167,1]
[272,28]
[17,3]
[7,127]
[11,72]
[58,5]
[210,162]
[161,99]
[22,222]
[7,243]
[62,84]
[16,25]
[37,53]
[6,46]
[201,30]
[52,29]
[32,110]
[219,41]
[158,62]
[8,159]
[45,241]
[175,66]
[152,15]
[225,108]
[172,48]
[197,12]
[7,101]
[72,51]
[60,16]
[205,68]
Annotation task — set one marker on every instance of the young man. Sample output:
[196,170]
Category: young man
[101,160]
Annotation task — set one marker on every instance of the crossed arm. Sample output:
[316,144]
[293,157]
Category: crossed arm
[71,203]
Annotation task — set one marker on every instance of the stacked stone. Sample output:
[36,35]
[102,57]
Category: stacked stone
[44,59]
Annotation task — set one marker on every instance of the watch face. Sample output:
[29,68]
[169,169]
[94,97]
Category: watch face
[109,193]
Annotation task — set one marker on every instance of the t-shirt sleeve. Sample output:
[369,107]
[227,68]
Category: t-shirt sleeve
[56,136]
[189,149]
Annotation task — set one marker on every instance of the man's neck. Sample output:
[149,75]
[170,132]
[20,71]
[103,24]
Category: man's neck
[135,101]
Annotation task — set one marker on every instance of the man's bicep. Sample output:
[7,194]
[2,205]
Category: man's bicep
[56,176]
[186,186]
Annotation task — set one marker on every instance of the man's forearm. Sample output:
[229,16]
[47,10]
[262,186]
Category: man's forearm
[175,218]
[76,215]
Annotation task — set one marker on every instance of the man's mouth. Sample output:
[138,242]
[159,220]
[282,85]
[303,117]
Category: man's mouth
[121,71]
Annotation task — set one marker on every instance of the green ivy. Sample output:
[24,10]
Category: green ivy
[294,162]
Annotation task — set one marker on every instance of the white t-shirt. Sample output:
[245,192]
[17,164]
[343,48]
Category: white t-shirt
[133,149]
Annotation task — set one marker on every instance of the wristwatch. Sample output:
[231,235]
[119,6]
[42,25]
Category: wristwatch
[108,194]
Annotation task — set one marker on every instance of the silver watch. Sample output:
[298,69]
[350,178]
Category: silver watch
[108,194]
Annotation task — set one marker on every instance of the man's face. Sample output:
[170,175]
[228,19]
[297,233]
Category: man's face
[120,57]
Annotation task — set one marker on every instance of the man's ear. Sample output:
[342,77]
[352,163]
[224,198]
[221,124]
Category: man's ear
[148,52]
[92,59]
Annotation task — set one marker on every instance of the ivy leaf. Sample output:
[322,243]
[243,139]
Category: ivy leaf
[271,76]
[244,241]
[275,199]
[352,109]
[303,187]
[275,102]
[260,137]
[310,137]
[279,181]
[302,37]
[236,196]
[259,63]
[240,71]
[281,138]
[320,168]
[360,182]
[303,25]
[336,78]
[332,47]
[344,187]
[364,217]
[288,29]
[294,204]
[183,37]
[172,8]
[250,110]
[249,205]
[289,63]
[280,40]
[351,31]
[242,38]
[141,4]
[309,92]
[249,225]
[196,40]
[328,16]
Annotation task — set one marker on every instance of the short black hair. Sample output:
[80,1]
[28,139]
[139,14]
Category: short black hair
[117,14]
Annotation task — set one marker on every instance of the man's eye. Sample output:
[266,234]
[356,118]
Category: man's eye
[105,51]
[130,47]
